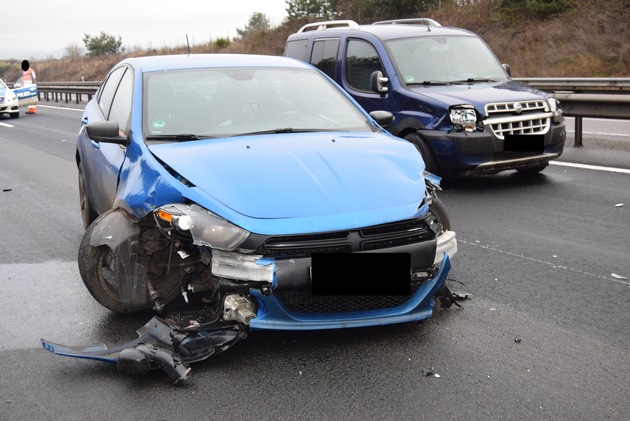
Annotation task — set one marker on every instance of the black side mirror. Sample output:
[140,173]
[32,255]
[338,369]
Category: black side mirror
[378,81]
[383,118]
[106,132]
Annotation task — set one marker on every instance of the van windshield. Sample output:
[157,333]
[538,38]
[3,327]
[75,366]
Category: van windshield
[445,60]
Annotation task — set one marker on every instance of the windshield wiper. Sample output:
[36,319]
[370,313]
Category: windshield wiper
[284,130]
[429,83]
[473,80]
[182,137]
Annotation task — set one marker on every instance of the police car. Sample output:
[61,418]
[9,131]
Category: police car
[9,103]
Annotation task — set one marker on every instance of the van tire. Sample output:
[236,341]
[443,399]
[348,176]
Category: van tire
[425,150]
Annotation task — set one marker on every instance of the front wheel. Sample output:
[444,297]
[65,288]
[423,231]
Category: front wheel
[109,272]
[15,115]
[532,170]
[438,210]
[425,150]
[87,212]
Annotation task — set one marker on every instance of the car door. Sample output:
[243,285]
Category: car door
[360,59]
[102,161]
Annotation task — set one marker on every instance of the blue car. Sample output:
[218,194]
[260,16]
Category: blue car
[236,192]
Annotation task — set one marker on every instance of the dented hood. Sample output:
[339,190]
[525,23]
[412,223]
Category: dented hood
[480,94]
[298,175]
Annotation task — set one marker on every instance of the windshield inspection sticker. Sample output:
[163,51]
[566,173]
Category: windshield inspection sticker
[159,124]
[410,79]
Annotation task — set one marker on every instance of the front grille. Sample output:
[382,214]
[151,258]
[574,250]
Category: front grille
[377,237]
[304,302]
[521,117]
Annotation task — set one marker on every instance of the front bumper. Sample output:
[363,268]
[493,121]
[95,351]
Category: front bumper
[481,152]
[274,314]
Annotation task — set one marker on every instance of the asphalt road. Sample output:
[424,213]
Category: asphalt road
[545,334]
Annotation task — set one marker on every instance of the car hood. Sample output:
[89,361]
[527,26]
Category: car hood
[480,94]
[366,178]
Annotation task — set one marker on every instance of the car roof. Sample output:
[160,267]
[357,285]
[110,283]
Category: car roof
[386,31]
[197,61]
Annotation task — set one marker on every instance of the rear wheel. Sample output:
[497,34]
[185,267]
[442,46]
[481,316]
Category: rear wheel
[425,150]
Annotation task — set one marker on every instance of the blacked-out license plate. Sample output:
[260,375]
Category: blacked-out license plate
[361,274]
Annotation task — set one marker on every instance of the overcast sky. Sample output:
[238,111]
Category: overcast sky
[43,28]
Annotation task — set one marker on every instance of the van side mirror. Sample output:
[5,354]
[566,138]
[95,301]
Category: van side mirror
[507,69]
[383,118]
[377,82]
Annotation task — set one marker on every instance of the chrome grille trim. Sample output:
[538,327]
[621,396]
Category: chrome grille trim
[520,117]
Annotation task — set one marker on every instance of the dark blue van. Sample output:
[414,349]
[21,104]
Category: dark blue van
[449,94]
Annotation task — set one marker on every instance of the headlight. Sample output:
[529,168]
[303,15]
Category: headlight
[206,228]
[463,118]
[554,107]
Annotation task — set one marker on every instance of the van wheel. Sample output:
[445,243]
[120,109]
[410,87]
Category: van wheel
[532,170]
[15,115]
[425,150]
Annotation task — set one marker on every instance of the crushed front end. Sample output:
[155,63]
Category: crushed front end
[210,281]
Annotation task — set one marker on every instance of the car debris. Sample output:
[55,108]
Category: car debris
[161,344]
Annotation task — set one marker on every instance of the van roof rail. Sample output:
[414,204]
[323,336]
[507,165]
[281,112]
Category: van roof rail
[412,21]
[320,26]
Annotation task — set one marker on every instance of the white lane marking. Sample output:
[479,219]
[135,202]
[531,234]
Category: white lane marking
[61,108]
[590,167]
[6,125]
[532,259]
[601,134]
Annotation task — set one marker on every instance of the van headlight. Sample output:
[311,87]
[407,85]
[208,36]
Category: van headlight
[206,228]
[554,107]
[463,118]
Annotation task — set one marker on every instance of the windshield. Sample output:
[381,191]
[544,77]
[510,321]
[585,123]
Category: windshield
[218,102]
[444,60]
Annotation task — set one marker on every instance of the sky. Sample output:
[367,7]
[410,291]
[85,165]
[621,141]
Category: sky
[44,28]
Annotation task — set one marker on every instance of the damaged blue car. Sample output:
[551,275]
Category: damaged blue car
[235,192]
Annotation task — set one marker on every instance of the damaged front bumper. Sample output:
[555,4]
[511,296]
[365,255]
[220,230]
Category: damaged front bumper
[275,314]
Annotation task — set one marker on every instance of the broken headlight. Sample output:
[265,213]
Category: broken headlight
[554,106]
[206,228]
[463,118]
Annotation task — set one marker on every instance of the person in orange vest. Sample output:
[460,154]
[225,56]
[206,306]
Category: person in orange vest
[29,78]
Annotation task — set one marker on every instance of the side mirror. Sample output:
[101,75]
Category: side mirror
[383,118]
[17,85]
[507,69]
[378,81]
[106,132]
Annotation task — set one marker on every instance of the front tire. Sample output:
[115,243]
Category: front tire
[438,210]
[532,170]
[87,212]
[103,269]
[15,115]
[425,150]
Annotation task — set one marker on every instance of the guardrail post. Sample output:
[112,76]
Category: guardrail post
[578,133]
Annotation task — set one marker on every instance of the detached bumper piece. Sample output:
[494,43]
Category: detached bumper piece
[160,345]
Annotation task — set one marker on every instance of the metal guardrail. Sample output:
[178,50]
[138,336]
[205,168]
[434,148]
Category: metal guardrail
[579,97]
[63,91]
[587,97]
